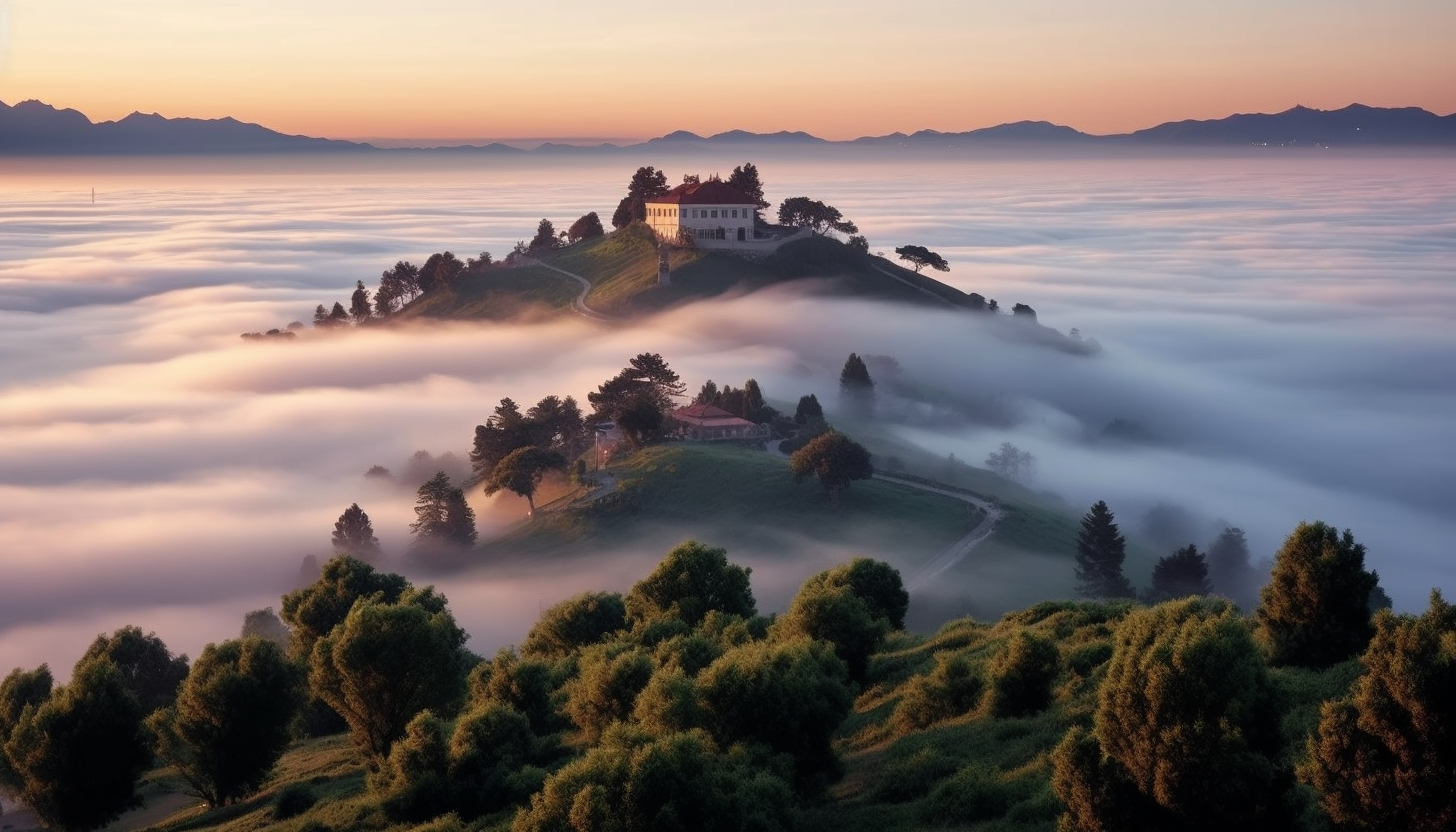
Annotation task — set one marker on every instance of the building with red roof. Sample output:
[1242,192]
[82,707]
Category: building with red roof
[707,423]
[714,213]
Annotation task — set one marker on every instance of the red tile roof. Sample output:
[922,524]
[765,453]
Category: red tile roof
[708,415]
[712,192]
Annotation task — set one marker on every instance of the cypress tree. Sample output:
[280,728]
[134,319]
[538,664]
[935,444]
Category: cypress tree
[1100,552]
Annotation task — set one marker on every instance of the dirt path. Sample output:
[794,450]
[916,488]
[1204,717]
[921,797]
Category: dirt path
[578,304]
[957,551]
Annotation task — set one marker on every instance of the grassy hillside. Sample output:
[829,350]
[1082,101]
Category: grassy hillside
[499,294]
[622,268]
[739,498]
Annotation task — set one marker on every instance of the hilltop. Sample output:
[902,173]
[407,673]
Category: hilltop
[621,269]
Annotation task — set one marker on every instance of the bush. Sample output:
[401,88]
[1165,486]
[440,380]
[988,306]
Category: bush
[293,800]
[975,793]
[583,620]
[607,689]
[1086,658]
[1021,676]
[691,581]
[951,689]
[909,778]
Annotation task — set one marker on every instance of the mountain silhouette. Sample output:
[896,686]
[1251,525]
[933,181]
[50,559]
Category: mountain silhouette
[33,128]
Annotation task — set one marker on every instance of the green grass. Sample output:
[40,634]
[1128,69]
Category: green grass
[741,497]
[526,292]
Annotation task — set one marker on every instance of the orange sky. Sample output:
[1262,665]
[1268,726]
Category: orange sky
[632,69]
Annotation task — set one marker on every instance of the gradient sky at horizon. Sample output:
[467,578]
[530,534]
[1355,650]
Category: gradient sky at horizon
[632,69]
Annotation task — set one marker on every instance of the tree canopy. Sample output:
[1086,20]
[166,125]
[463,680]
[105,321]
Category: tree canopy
[147,667]
[744,179]
[231,722]
[814,215]
[1315,609]
[80,753]
[1181,574]
[646,183]
[1382,757]
[545,239]
[1186,732]
[521,470]
[920,257]
[836,459]
[691,581]
[354,535]
[388,662]
[1012,463]
[585,228]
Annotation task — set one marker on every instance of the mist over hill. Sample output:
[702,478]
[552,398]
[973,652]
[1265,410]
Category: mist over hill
[33,128]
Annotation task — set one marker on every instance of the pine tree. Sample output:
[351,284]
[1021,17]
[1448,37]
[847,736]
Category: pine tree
[442,515]
[1100,552]
[856,388]
[359,304]
[354,535]
[1181,574]
[1230,570]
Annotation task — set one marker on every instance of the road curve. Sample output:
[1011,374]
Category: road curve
[957,551]
[578,304]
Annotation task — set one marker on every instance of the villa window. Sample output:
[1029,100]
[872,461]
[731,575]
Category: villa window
[735,213]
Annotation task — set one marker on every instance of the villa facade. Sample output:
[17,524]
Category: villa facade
[714,213]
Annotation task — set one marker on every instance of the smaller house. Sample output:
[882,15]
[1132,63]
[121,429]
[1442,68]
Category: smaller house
[707,423]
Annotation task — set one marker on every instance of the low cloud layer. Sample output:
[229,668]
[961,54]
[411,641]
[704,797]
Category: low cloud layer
[1280,325]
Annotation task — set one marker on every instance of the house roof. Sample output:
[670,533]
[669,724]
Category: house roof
[712,192]
[708,415]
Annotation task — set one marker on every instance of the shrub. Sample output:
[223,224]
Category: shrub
[975,793]
[1021,676]
[579,621]
[691,581]
[293,800]
[951,689]
[909,778]
[607,689]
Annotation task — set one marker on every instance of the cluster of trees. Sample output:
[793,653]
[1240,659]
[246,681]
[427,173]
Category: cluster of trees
[745,403]
[1224,567]
[513,451]
[676,705]
[801,211]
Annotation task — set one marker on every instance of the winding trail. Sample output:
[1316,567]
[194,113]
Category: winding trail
[957,551]
[578,304]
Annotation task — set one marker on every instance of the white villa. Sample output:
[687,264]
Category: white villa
[714,213]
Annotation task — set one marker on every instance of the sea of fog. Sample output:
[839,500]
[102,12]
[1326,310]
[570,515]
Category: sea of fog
[1281,320]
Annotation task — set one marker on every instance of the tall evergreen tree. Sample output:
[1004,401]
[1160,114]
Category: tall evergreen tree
[359,307]
[1315,610]
[443,517]
[1100,552]
[808,409]
[545,239]
[1181,574]
[354,535]
[856,388]
[646,183]
[1230,569]
[744,178]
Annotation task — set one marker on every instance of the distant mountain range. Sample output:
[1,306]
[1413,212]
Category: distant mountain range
[33,128]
